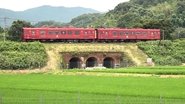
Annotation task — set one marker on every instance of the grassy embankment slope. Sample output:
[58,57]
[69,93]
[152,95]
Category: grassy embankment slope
[165,52]
[21,55]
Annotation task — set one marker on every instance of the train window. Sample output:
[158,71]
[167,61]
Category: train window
[50,32]
[155,33]
[144,33]
[53,32]
[86,32]
[114,33]
[106,33]
[137,33]
[42,32]
[121,33]
[152,33]
[56,32]
[70,32]
[63,32]
[126,33]
[77,32]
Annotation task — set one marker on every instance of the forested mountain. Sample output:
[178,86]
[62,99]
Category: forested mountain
[167,15]
[86,20]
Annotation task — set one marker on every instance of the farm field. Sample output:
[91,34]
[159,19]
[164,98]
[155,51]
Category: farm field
[157,70]
[50,88]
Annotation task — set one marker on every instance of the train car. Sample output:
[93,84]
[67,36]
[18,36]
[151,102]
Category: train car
[148,34]
[118,34]
[62,34]
[89,34]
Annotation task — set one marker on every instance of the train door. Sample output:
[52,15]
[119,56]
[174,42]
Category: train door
[152,35]
[100,34]
[155,35]
[32,34]
[96,34]
[26,34]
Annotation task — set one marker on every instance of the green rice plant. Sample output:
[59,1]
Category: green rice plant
[67,89]
[158,70]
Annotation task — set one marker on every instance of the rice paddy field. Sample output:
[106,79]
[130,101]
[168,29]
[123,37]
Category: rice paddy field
[157,70]
[63,88]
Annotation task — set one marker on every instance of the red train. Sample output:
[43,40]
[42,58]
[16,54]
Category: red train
[89,34]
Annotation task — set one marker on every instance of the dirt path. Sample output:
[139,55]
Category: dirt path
[136,55]
[53,58]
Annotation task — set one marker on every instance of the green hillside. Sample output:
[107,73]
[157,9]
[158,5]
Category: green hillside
[85,20]
[167,15]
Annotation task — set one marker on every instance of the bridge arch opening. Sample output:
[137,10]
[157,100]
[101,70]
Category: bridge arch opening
[74,62]
[91,62]
[108,62]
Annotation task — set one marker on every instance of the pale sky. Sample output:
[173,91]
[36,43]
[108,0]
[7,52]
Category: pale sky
[100,5]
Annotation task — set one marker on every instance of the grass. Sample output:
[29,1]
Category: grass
[89,47]
[158,70]
[81,89]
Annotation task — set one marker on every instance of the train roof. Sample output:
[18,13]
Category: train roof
[125,29]
[75,28]
[48,28]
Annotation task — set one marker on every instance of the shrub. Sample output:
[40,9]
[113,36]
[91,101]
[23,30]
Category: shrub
[165,52]
[16,55]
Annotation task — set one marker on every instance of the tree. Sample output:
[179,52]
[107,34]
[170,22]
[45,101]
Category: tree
[1,33]
[48,24]
[85,20]
[129,20]
[164,25]
[1,30]
[147,3]
[178,33]
[16,30]
[122,8]
[133,18]
[180,6]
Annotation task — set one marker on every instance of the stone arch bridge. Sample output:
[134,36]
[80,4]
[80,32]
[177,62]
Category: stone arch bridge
[73,60]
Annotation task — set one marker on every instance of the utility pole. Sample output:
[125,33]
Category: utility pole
[163,35]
